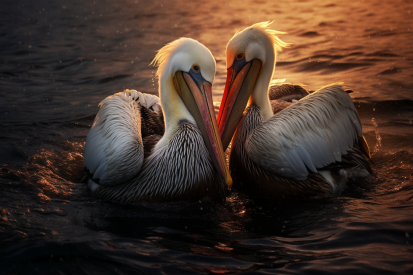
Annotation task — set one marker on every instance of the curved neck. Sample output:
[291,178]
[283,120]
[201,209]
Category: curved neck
[260,96]
[174,110]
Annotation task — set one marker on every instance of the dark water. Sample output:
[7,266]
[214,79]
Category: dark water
[59,59]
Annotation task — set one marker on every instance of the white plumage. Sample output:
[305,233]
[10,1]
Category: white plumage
[114,149]
[179,163]
[307,149]
[311,134]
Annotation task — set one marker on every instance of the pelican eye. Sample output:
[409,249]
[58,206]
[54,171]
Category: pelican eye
[196,68]
[239,56]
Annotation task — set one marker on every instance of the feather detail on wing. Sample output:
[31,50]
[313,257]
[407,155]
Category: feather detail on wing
[286,92]
[149,101]
[309,134]
[178,171]
[113,151]
[283,95]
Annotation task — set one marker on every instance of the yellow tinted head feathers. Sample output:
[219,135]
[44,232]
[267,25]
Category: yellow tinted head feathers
[255,41]
[182,54]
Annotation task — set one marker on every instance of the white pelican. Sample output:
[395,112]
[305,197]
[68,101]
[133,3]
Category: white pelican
[184,159]
[306,150]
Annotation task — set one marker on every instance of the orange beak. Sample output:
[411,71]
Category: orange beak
[197,97]
[238,88]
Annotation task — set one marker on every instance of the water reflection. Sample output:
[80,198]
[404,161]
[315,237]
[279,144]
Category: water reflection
[61,60]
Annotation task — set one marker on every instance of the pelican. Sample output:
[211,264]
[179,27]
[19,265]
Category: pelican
[142,148]
[304,149]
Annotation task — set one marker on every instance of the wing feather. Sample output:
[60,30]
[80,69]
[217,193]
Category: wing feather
[113,151]
[286,92]
[308,135]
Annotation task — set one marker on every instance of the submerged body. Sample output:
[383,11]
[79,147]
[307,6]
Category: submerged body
[299,149]
[135,153]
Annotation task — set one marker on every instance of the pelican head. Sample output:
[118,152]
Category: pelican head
[250,64]
[186,72]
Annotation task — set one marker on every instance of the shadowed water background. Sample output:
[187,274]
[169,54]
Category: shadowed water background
[59,59]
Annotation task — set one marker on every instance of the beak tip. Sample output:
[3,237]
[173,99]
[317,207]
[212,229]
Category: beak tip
[229,182]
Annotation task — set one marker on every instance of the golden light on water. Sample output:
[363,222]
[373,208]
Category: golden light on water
[63,60]
[54,174]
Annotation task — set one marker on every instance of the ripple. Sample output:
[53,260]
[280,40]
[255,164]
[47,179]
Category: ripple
[329,67]
[393,70]
[310,34]
[61,61]
[382,54]
[113,78]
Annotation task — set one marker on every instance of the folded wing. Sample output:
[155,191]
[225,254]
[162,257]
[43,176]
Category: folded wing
[308,135]
[114,150]
[283,95]
[286,92]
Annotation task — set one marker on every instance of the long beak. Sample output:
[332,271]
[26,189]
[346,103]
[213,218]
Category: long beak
[197,97]
[238,89]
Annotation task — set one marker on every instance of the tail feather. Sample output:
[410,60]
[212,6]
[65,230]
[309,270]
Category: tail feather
[364,147]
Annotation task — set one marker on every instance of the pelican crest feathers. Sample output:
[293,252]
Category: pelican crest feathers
[164,54]
[262,28]
[189,48]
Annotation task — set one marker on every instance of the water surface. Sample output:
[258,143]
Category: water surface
[59,59]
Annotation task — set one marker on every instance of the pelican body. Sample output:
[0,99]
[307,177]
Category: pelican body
[142,148]
[299,149]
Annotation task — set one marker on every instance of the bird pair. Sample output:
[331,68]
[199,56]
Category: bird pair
[145,148]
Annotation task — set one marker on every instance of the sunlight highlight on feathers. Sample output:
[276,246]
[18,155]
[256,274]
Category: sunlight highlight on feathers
[164,54]
[278,43]
[272,34]
[310,134]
